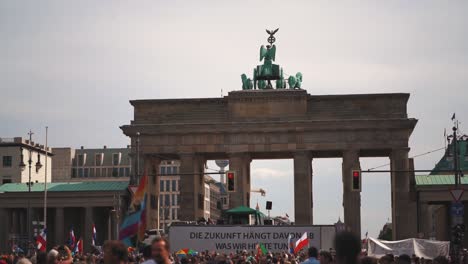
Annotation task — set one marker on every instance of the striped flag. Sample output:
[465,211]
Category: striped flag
[94,235]
[301,243]
[290,245]
[78,247]
[71,238]
[261,250]
[42,240]
[134,224]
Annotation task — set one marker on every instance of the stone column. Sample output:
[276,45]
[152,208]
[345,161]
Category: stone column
[88,229]
[403,207]
[240,163]
[152,210]
[191,186]
[23,221]
[59,226]
[114,221]
[351,199]
[4,228]
[425,220]
[303,198]
[15,221]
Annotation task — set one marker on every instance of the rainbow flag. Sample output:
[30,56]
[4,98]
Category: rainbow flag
[140,192]
[134,224]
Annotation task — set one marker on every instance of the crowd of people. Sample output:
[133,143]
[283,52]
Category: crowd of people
[347,251]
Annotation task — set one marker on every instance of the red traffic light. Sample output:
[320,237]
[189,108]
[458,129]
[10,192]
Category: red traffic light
[356,181]
[230,181]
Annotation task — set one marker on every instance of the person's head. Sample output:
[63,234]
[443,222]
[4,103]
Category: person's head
[347,247]
[115,252]
[160,250]
[23,261]
[404,259]
[52,256]
[312,252]
[325,257]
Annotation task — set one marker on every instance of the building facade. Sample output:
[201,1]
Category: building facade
[76,205]
[435,202]
[169,194]
[280,124]
[101,164]
[21,158]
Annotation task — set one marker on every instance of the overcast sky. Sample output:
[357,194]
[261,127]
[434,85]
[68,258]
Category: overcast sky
[74,65]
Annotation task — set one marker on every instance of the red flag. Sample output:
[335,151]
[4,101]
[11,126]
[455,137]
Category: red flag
[42,240]
[301,243]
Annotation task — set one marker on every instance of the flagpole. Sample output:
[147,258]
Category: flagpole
[45,180]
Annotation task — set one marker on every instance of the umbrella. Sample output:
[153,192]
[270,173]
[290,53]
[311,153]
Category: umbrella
[181,253]
[192,252]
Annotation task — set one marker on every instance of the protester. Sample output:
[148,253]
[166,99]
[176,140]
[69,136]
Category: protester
[347,247]
[115,252]
[313,256]
[160,250]
[325,257]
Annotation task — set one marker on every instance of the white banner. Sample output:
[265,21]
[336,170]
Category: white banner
[237,238]
[423,248]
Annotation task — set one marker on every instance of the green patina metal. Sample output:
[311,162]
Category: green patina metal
[264,74]
[66,187]
[440,174]
[446,162]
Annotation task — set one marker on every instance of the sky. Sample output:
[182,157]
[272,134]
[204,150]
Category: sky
[74,65]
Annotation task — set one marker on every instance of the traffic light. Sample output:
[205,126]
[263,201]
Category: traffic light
[356,183]
[231,175]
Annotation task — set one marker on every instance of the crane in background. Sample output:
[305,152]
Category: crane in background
[261,191]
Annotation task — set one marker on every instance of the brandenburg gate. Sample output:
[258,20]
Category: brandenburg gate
[281,123]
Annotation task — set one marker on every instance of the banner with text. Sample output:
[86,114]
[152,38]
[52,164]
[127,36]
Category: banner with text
[237,238]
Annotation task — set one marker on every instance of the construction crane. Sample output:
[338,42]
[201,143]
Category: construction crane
[261,191]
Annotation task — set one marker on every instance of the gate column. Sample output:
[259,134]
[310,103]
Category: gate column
[240,163]
[191,185]
[351,199]
[404,213]
[152,201]
[303,198]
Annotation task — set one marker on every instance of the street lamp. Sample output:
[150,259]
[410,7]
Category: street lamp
[30,183]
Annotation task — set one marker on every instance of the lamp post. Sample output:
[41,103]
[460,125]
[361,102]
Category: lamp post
[30,183]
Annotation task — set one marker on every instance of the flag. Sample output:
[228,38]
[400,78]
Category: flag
[41,240]
[261,250]
[287,215]
[290,245]
[134,224]
[140,192]
[301,243]
[142,223]
[78,247]
[453,116]
[94,236]
[71,238]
